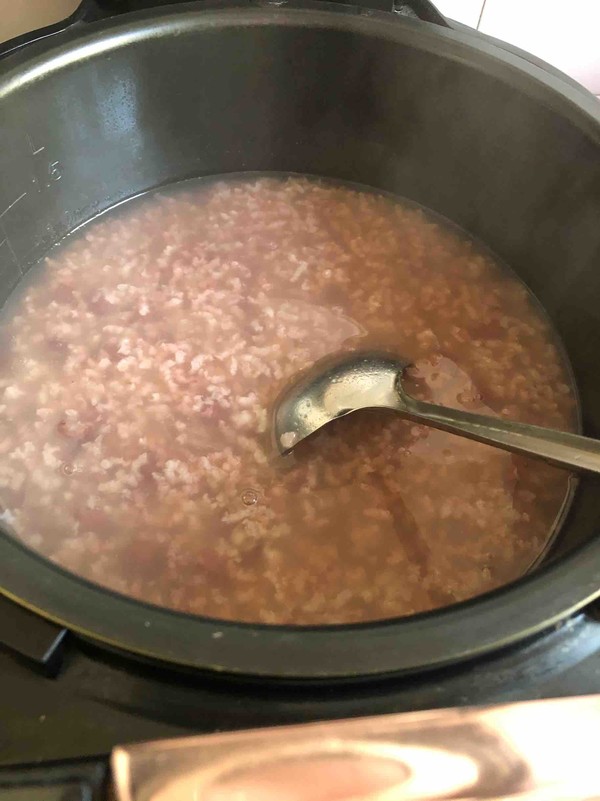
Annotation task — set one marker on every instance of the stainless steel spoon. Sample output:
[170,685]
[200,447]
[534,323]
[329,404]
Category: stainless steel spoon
[341,385]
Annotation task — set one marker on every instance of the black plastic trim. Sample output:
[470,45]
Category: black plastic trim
[73,780]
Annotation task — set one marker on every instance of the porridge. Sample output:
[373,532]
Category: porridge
[138,377]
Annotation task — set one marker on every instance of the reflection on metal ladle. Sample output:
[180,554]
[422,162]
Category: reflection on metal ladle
[340,385]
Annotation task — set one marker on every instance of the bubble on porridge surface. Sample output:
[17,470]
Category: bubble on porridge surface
[250,497]
[147,353]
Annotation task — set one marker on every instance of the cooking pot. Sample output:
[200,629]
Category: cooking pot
[503,146]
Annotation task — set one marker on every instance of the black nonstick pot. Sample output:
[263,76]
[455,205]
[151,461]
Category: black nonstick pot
[504,147]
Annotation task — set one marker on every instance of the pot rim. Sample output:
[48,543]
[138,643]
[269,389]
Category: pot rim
[421,642]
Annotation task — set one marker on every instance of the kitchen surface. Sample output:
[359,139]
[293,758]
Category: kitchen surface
[24,15]
[564,34]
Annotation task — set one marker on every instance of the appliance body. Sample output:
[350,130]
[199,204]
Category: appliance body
[104,110]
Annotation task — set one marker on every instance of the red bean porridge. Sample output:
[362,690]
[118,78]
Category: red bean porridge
[140,371]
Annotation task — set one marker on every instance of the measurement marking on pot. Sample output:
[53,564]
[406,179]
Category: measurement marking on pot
[4,232]
[55,170]
[6,242]
[32,147]
[14,203]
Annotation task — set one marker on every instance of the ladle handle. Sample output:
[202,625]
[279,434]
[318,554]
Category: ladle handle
[556,447]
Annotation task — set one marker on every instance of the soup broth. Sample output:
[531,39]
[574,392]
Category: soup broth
[140,367]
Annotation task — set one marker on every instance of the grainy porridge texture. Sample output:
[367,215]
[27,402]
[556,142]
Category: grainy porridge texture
[138,376]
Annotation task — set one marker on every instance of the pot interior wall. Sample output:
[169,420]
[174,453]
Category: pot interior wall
[420,116]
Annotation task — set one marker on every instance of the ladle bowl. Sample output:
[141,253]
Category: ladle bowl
[348,382]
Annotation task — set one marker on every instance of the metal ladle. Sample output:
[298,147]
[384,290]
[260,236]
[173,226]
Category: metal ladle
[343,384]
